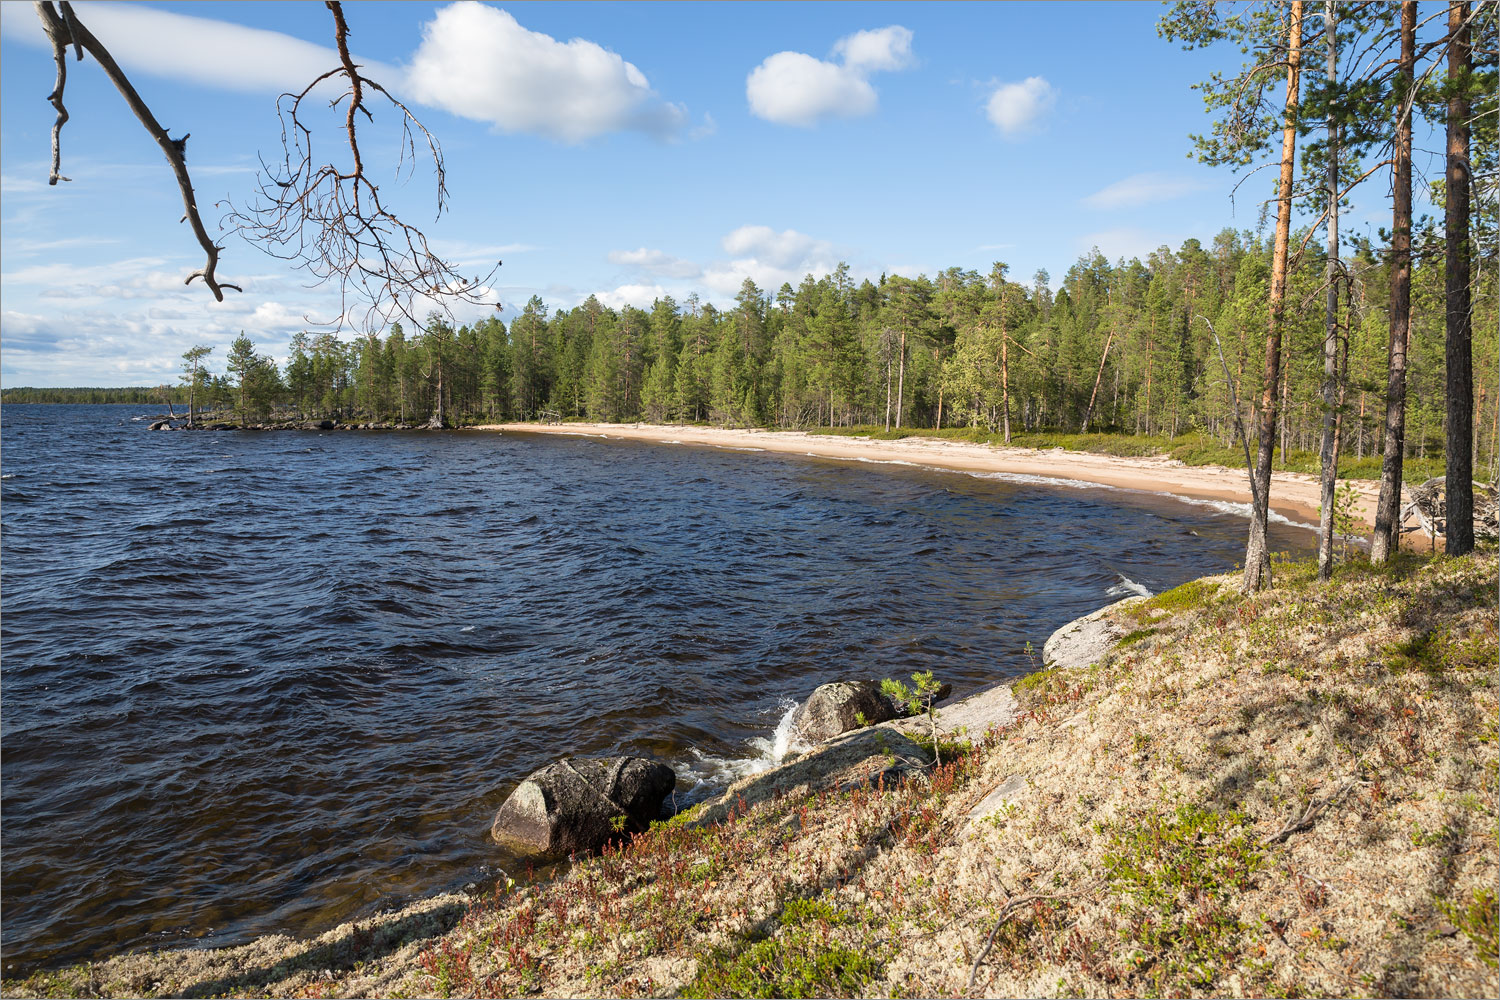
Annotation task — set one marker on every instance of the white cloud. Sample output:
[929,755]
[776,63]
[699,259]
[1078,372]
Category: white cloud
[1014,107]
[640,296]
[655,262]
[1142,189]
[787,248]
[478,62]
[196,49]
[882,49]
[793,88]
[769,258]
[766,256]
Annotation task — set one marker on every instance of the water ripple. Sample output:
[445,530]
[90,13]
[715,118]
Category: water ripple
[264,682]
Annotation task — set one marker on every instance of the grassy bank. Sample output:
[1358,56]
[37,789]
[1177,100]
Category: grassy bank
[1288,794]
[1193,448]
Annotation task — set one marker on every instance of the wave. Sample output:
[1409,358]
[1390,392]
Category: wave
[1238,509]
[1127,587]
[710,773]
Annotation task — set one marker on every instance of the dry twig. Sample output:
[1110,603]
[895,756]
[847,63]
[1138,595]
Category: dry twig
[1009,910]
[332,222]
[1303,820]
[63,29]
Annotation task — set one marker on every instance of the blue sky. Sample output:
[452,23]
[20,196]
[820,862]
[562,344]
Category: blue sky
[626,150]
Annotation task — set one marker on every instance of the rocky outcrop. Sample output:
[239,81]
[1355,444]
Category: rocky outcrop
[1085,640]
[837,708]
[576,805]
[866,758]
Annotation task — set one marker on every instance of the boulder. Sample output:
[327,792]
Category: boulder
[576,805]
[834,708]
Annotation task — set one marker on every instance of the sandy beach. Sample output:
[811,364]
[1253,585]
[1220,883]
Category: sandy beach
[1294,496]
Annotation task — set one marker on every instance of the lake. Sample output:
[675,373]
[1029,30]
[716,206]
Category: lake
[260,682]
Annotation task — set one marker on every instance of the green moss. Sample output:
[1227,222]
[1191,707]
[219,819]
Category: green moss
[1177,873]
[1131,638]
[1193,594]
[1034,688]
[1479,920]
[74,981]
[1441,653]
[798,960]
[682,818]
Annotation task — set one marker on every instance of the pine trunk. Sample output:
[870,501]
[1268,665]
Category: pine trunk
[901,380]
[1459,488]
[1005,382]
[1388,507]
[1329,456]
[1257,549]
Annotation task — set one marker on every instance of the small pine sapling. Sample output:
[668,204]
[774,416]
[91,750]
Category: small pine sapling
[917,699]
[1343,514]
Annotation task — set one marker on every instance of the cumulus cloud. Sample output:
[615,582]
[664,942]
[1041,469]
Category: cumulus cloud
[766,256]
[1142,189]
[656,262]
[1014,107]
[480,63]
[769,258]
[787,248]
[793,88]
[882,49]
[640,296]
[195,49]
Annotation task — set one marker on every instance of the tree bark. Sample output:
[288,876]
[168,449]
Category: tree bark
[1005,378]
[901,379]
[1388,507]
[1459,487]
[1257,549]
[887,380]
[1088,413]
[1329,455]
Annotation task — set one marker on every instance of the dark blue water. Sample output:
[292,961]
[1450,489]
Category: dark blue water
[270,681]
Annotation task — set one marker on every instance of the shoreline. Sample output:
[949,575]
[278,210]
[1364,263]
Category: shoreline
[1083,786]
[1294,496]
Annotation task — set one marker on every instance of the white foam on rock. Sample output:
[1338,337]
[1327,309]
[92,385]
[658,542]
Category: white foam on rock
[712,772]
[1126,587]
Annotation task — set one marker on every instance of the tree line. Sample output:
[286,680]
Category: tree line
[1124,347]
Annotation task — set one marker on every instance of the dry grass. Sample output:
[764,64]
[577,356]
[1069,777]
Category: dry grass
[1287,794]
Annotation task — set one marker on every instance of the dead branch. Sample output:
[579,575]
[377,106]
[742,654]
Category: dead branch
[1009,910]
[332,222]
[64,29]
[1304,819]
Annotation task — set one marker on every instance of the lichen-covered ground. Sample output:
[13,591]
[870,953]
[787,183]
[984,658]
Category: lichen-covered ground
[1288,794]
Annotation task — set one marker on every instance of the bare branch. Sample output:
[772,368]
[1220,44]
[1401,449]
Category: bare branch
[65,29]
[60,55]
[332,222]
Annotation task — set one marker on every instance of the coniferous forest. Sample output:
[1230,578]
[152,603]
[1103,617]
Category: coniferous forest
[1125,347]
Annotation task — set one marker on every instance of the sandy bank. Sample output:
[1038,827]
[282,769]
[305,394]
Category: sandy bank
[1293,495]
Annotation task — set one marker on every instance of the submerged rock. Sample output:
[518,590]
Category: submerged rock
[835,708]
[576,805]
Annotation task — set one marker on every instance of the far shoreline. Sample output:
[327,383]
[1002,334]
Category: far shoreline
[1295,496]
